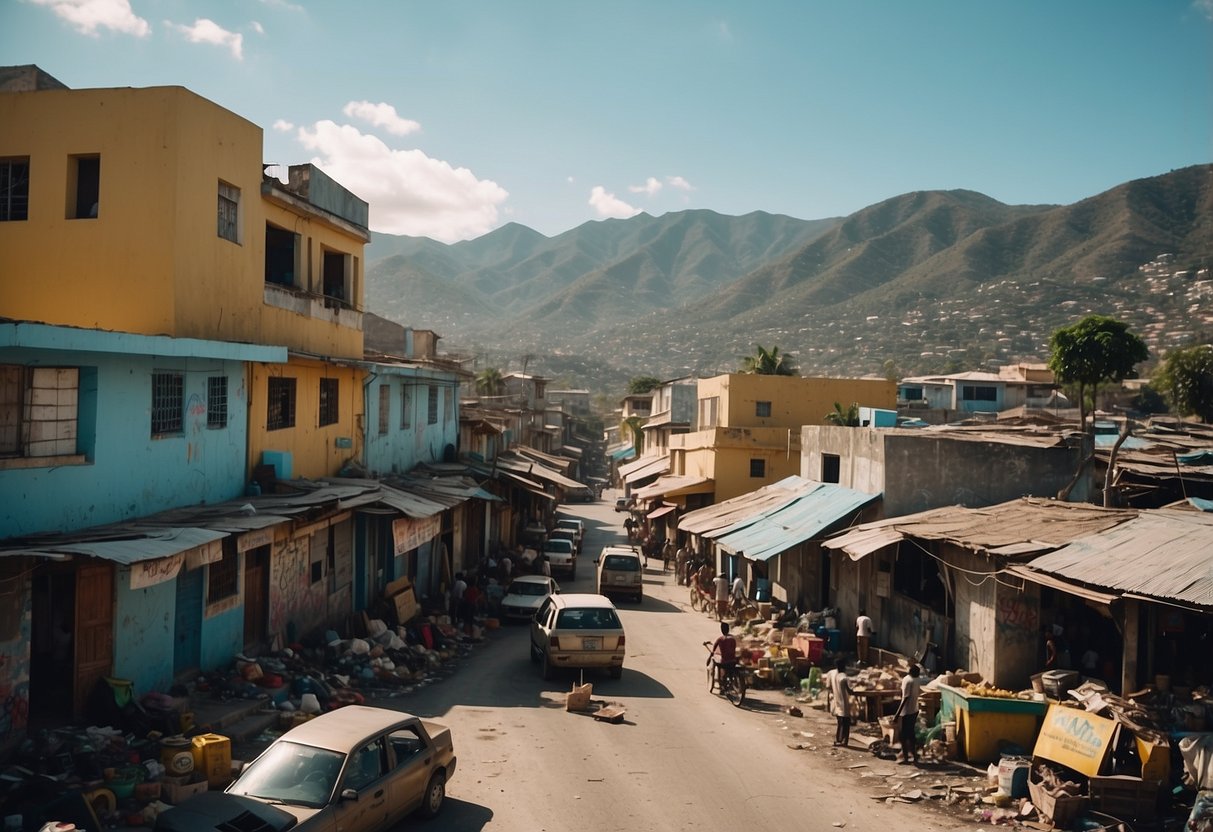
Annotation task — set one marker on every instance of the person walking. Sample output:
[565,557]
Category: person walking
[863,636]
[722,596]
[838,700]
[907,711]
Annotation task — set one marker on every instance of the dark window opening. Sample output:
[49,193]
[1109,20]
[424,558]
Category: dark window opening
[330,389]
[385,408]
[85,182]
[916,575]
[758,467]
[831,468]
[971,393]
[334,278]
[406,416]
[280,403]
[14,189]
[280,256]
[223,576]
[168,403]
[229,212]
[762,409]
[216,402]
[432,408]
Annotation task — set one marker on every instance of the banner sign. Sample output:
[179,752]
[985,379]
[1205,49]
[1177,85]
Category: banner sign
[147,573]
[408,534]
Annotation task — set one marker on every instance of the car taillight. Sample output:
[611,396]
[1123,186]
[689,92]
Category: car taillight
[554,643]
[621,641]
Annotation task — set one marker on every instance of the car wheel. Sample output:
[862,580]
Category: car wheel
[547,666]
[616,672]
[435,794]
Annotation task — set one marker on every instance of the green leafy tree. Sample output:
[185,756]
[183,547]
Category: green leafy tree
[489,382]
[1094,351]
[1186,377]
[766,362]
[844,416]
[631,428]
[643,384]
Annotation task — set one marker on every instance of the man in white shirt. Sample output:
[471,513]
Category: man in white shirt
[838,699]
[722,596]
[911,687]
[738,590]
[863,636]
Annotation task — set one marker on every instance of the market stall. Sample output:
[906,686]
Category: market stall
[986,724]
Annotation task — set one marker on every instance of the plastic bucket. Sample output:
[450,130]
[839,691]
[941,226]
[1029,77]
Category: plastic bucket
[1013,776]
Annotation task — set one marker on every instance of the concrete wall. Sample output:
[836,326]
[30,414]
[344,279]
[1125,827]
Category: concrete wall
[402,448]
[201,465]
[795,401]
[143,632]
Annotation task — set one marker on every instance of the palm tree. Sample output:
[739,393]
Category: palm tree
[768,362]
[489,382]
[845,417]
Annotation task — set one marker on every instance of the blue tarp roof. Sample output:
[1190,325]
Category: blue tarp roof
[809,515]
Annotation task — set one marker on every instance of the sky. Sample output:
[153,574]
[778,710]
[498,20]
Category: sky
[455,117]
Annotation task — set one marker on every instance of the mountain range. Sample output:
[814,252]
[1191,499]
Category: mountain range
[924,282]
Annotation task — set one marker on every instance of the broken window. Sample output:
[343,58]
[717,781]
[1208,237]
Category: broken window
[83,187]
[281,256]
[14,189]
[280,403]
[168,403]
[330,389]
[229,212]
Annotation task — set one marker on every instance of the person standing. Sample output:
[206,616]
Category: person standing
[863,636]
[838,699]
[738,591]
[722,596]
[457,589]
[911,688]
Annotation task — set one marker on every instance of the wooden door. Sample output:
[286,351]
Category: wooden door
[256,596]
[94,636]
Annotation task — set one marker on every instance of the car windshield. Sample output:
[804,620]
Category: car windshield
[588,618]
[291,773]
[558,545]
[625,563]
[528,588]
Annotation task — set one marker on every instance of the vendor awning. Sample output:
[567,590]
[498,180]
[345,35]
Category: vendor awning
[808,516]
[532,487]
[669,486]
[409,503]
[1045,579]
[1161,555]
[653,466]
[723,516]
[661,512]
[622,452]
[124,546]
[536,471]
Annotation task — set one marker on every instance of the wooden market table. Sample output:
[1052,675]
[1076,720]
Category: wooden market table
[873,704]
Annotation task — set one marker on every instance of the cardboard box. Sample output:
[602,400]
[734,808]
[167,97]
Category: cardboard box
[177,794]
[1155,759]
[1126,797]
[1060,811]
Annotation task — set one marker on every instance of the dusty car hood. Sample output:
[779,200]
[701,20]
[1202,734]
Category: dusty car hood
[211,810]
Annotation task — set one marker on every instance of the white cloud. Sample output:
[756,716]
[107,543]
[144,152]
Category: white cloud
[382,115]
[208,31]
[651,186]
[257,27]
[609,205]
[679,183]
[409,193]
[87,16]
[283,126]
[1205,7]
[283,4]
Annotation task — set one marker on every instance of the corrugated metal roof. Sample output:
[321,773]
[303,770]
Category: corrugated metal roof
[660,512]
[655,466]
[1020,528]
[125,545]
[805,518]
[636,464]
[675,485]
[724,515]
[535,470]
[408,502]
[1161,554]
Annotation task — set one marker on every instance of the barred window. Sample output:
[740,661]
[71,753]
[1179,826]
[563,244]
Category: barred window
[406,415]
[385,408]
[168,403]
[223,576]
[432,410]
[329,394]
[280,403]
[229,212]
[762,409]
[216,402]
[14,189]
[758,467]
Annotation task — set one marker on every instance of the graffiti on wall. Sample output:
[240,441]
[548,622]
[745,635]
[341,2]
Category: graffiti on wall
[1017,619]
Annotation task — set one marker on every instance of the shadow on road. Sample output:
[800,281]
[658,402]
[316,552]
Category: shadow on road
[455,814]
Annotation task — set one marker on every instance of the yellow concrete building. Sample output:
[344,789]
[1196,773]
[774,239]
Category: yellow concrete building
[749,426]
[148,211]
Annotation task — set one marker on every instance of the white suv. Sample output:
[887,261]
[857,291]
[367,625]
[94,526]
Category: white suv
[620,572]
[577,630]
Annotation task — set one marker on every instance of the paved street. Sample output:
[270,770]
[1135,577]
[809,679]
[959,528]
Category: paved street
[683,758]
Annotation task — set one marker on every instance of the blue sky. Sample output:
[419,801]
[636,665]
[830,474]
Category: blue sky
[454,117]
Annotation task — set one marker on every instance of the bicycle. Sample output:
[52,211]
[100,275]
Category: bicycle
[730,681]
